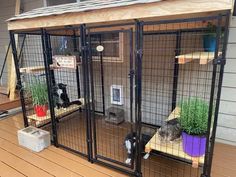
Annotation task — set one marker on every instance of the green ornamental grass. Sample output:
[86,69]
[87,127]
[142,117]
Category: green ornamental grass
[194,116]
[39,93]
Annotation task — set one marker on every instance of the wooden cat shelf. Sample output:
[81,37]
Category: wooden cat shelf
[174,148]
[37,121]
[203,57]
[35,69]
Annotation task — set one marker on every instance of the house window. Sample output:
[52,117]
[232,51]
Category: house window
[112,44]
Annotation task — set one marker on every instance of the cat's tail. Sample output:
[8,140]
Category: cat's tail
[77,102]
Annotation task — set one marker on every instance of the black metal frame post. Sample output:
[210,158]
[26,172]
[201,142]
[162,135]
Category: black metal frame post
[102,77]
[208,153]
[176,69]
[138,93]
[221,62]
[77,67]
[131,76]
[16,61]
[91,84]
[50,60]
[85,68]
[47,61]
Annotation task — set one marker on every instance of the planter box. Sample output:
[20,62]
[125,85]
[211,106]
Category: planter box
[34,138]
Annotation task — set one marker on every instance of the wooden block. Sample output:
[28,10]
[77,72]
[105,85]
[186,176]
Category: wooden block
[183,60]
[195,162]
[148,149]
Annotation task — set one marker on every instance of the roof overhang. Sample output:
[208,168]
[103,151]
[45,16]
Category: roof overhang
[157,10]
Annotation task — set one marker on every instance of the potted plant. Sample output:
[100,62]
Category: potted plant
[193,121]
[38,92]
[209,39]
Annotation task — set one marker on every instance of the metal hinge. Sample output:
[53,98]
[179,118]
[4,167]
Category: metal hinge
[131,73]
[139,52]
[84,47]
[219,61]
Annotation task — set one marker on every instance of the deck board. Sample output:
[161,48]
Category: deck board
[7,171]
[18,161]
[51,160]
[19,164]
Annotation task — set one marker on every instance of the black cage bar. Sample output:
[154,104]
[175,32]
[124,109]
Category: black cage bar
[116,94]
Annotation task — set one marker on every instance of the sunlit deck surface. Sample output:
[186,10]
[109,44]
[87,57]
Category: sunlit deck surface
[18,161]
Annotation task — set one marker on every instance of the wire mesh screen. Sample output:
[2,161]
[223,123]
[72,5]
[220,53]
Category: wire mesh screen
[33,78]
[177,93]
[111,67]
[69,94]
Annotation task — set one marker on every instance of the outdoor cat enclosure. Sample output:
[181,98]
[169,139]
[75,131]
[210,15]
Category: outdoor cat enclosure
[93,84]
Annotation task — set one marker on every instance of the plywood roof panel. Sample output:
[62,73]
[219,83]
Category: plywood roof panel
[110,11]
[78,7]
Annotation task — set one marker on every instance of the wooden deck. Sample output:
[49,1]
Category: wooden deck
[6,103]
[18,161]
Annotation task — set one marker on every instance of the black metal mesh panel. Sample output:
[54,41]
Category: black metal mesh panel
[71,126]
[177,67]
[32,72]
[112,95]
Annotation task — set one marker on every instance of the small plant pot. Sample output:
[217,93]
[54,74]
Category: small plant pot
[209,43]
[194,145]
[41,110]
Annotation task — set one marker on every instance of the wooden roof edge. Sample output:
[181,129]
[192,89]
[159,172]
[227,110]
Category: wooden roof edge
[83,6]
[124,13]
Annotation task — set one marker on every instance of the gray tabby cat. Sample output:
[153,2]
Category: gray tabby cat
[170,131]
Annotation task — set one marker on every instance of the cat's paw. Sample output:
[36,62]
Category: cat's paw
[128,161]
[146,156]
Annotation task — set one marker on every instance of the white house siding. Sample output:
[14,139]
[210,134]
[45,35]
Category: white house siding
[226,131]
[7,10]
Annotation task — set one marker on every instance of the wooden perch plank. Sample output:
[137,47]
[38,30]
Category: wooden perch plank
[203,57]
[34,69]
[172,148]
[58,113]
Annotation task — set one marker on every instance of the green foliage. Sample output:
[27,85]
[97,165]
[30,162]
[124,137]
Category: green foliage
[194,116]
[39,93]
[212,30]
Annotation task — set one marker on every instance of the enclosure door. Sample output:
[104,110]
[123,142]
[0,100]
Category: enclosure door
[111,84]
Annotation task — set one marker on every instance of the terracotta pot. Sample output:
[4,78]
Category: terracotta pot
[41,110]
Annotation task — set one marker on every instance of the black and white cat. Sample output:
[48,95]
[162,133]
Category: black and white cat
[61,97]
[130,144]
